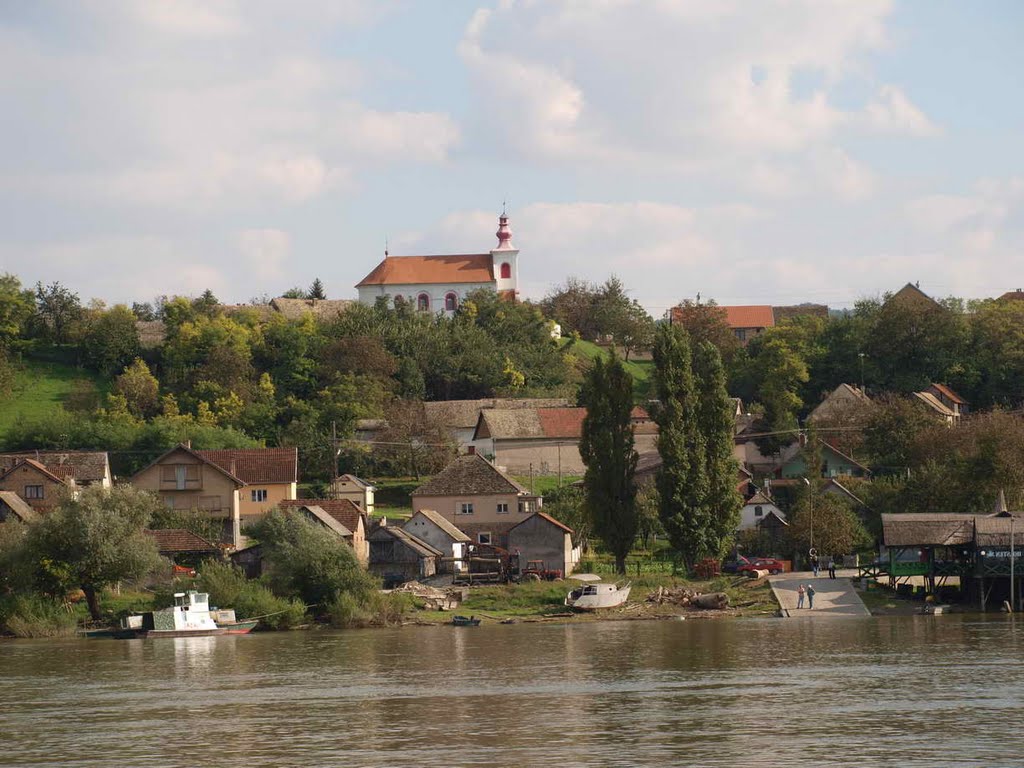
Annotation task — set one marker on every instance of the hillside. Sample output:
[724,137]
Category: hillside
[40,386]
[640,370]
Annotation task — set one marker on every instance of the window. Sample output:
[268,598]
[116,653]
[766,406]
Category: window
[483,538]
[423,302]
[741,334]
[180,476]
[451,302]
[33,491]
[502,508]
[209,503]
[527,506]
[259,494]
[465,507]
[506,271]
[758,511]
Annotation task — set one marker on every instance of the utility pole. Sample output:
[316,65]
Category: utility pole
[1013,604]
[336,451]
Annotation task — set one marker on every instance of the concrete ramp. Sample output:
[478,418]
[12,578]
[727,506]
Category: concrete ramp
[832,597]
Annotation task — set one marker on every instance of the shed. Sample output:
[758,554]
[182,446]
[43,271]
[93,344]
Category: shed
[430,526]
[398,556]
[541,537]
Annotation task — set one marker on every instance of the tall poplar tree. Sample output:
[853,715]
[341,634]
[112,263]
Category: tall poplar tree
[606,447]
[681,478]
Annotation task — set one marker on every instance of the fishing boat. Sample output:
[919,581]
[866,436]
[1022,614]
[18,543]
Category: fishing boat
[225,618]
[594,596]
[189,617]
[465,621]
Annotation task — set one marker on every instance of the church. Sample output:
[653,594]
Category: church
[440,283]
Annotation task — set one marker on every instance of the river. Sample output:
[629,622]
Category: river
[941,691]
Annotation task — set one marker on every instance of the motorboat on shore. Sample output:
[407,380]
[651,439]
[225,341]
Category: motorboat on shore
[190,616]
[594,596]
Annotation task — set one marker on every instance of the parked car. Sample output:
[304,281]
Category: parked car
[733,564]
[769,564]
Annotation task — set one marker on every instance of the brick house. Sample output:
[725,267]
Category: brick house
[270,475]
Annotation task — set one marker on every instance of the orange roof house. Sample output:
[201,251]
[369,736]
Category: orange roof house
[440,283]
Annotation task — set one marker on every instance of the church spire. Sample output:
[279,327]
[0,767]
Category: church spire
[504,233]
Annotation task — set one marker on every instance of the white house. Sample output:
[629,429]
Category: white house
[440,283]
[756,509]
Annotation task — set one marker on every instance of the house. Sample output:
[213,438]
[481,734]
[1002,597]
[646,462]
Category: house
[478,498]
[911,295]
[839,403]
[756,509]
[87,468]
[540,440]
[834,463]
[321,309]
[459,417]
[427,525]
[397,556]
[13,507]
[185,480]
[183,547]
[357,491]
[349,515]
[744,321]
[541,537]
[649,462]
[41,488]
[271,476]
[936,408]
[948,398]
[806,309]
[1017,295]
[440,284]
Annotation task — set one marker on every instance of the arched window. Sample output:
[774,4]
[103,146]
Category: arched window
[451,302]
[506,271]
[423,302]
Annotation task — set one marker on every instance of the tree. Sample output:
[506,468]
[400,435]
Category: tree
[93,541]
[296,292]
[143,311]
[707,322]
[207,304]
[316,290]
[781,372]
[140,389]
[837,529]
[568,505]
[606,447]
[16,305]
[412,443]
[57,311]
[112,340]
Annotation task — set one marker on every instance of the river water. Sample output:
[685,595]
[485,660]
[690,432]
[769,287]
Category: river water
[943,691]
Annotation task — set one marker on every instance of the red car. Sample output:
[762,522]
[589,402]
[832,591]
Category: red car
[769,564]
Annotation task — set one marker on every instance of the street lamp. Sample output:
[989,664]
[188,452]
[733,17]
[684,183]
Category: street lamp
[810,507]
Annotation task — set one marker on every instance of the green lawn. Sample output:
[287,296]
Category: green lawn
[640,370]
[545,484]
[40,387]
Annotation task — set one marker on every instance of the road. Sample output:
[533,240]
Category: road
[832,597]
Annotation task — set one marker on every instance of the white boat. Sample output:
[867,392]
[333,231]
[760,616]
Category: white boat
[591,597]
[188,617]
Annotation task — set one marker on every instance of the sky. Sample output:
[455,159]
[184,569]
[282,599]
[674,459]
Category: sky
[750,151]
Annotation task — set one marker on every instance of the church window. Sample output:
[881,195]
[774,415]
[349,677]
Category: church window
[451,302]
[506,271]
[423,302]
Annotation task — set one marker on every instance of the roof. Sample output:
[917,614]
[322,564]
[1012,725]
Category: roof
[354,480]
[342,510]
[171,540]
[760,498]
[934,403]
[18,506]
[920,529]
[949,394]
[992,530]
[1017,295]
[546,518]
[60,476]
[552,423]
[445,525]
[800,310]
[911,291]
[84,466]
[151,333]
[777,514]
[842,489]
[753,316]
[420,270]
[258,465]
[416,544]
[195,455]
[322,309]
[470,475]
[325,519]
[463,414]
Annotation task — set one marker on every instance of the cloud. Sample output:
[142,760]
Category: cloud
[892,112]
[265,253]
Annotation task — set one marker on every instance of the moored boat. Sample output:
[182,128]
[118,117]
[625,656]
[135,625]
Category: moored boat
[465,621]
[188,617]
[592,597]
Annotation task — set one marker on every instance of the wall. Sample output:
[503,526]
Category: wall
[748,518]
[516,456]
[368,293]
[250,510]
[537,539]
[427,531]
[26,474]
[484,508]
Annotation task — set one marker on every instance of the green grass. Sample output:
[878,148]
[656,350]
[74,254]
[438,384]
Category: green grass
[40,387]
[545,484]
[640,370]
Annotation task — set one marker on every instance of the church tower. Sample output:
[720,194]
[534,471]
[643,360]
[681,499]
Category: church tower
[505,260]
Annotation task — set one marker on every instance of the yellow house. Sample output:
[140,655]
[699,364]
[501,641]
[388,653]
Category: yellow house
[355,490]
[185,480]
[270,475]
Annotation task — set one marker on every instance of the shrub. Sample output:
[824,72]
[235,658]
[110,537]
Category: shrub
[347,611]
[25,616]
[376,609]
[228,588]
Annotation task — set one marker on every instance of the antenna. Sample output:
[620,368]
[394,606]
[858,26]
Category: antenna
[385,246]
[504,201]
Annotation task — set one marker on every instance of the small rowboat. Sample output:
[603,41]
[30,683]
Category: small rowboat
[465,621]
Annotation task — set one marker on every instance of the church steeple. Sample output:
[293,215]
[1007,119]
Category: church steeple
[505,260]
[504,234]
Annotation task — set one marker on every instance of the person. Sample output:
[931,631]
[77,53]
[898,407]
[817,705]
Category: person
[810,596]
[814,565]
[800,596]
[831,568]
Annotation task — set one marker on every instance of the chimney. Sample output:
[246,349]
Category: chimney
[188,444]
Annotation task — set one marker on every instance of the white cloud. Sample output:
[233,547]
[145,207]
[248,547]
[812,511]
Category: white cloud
[265,253]
[893,112]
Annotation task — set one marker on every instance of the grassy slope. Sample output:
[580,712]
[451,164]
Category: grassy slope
[640,370]
[40,387]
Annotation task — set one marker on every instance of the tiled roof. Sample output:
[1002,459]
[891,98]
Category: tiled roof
[760,498]
[342,510]
[18,506]
[195,454]
[421,270]
[949,394]
[84,466]
[469,475]
[934,403]
[322,309]
[171,540]
[547,518]
[258,465]
[1017,295]
[445,525]
[463,414]
[64,479]
[416,544]
[754,316]
[354,480]
[561,423]
[325,519]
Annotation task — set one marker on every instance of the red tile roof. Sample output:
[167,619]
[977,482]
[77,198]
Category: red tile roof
[415,270]
[344,511]
[258,465]
[171,540]
[561,422]
[755,316]
[58,477]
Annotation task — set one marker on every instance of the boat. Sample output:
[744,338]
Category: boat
[465,621]
[594,596]
[190,616]
[225,618]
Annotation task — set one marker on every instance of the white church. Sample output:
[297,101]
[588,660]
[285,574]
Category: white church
[440,283]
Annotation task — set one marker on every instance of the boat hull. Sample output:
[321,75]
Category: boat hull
[598,602]
[151,634]
[239,627]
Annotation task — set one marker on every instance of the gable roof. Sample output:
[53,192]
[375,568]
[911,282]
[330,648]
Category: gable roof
[912,292]
[949,394]
[416,544]
[469,475]
[193,454]
[322,309]
[912,529]
[421,270]
[343,511]
[328,521]
[520,423]
[258,465]
[1017,295]
[18,506]
[445,525]
[842,489]
[463,414]
[64,477]
[546,518]
[777,514]
[171,540]
[751,316]
[934,403]
[354,480]
[760,497]
[84,466]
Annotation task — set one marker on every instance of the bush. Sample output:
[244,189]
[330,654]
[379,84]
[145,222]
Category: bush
[377,609]
[228,588]
[25,616]
[347,611]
